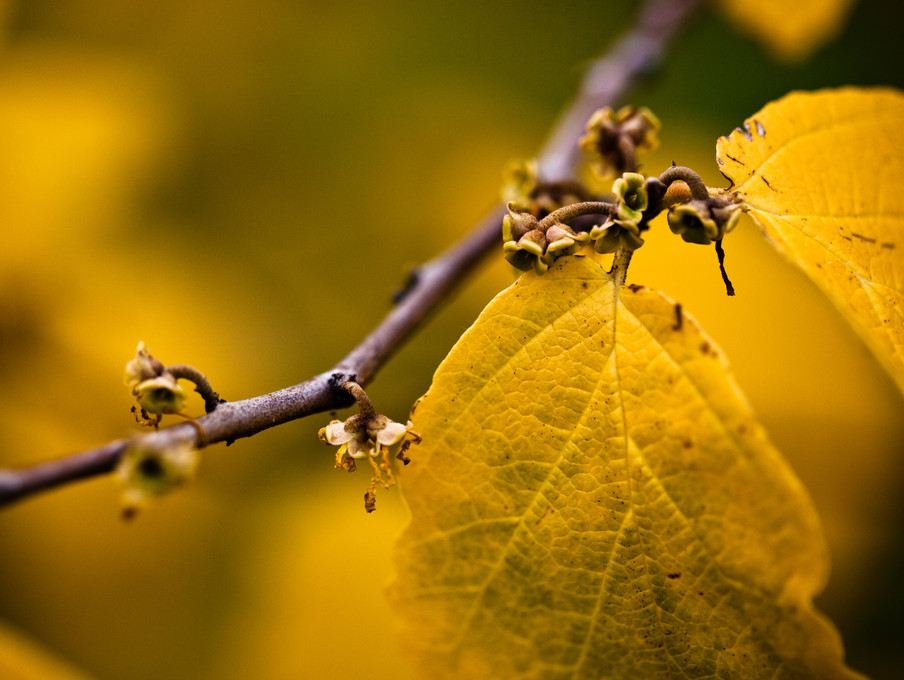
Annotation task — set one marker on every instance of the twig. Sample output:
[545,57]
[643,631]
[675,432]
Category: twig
[605,83]
[608,79]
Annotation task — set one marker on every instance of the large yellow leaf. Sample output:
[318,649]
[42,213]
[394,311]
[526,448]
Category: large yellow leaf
[823,174]
[594,499]
[789,29]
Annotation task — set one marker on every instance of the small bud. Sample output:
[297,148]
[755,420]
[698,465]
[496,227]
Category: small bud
[516,224]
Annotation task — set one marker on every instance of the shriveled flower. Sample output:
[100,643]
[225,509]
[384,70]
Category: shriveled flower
[368,435]
[155,389]
[147,472]
[613,139]
[361,435]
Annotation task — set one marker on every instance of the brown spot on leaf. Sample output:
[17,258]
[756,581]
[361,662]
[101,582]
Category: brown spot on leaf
[866,239]
[674,576]
[679,318]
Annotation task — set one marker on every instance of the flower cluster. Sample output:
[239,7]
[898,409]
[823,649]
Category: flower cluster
[527,242]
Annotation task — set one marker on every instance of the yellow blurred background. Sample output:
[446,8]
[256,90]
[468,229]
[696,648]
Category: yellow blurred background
[242,185]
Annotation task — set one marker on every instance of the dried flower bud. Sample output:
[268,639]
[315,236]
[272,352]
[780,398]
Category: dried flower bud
[613,139]
[368,435]
[155,389]
[517,223]
[641,125]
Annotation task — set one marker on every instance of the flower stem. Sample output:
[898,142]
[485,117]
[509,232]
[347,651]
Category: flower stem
[202,384]
[364,404]
[692,179]
[569,212]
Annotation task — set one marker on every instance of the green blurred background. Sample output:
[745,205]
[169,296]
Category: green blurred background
[243,184]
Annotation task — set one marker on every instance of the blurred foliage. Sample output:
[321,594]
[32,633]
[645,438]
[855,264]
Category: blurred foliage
[789,30]
[242,185]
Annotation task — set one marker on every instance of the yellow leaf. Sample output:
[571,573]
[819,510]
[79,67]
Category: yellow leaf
[594,499]
[791,30]
[22,659]
[823,174]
